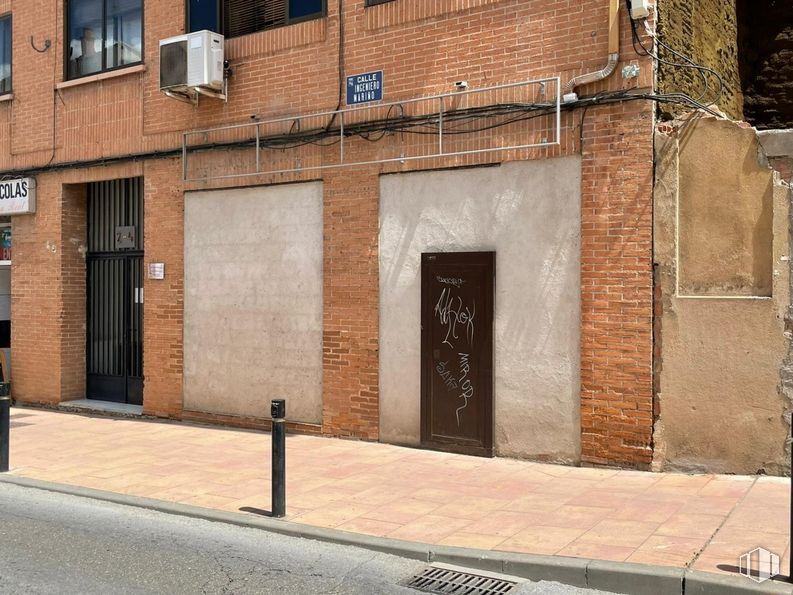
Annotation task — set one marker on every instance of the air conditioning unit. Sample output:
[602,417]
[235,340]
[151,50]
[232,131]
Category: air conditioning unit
[191,64]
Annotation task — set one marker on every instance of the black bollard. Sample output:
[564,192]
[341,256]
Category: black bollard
[278,413]
[5,431]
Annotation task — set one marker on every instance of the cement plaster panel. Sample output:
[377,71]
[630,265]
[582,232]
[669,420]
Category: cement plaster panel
[529,213]
[253,300]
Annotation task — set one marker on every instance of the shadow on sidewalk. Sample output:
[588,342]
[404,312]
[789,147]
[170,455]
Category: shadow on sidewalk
[259,511]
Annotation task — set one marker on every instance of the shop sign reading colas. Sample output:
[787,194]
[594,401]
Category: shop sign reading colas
[18,197]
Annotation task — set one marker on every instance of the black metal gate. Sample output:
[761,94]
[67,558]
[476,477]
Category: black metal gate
[114,262]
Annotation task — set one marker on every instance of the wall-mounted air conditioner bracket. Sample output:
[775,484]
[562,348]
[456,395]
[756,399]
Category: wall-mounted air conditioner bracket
[183,96]
[191,94]
[224,96]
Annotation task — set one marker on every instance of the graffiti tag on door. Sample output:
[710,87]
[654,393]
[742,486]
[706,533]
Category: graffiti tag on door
[457,319]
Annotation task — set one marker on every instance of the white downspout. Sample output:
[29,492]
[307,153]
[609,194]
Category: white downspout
[614,56]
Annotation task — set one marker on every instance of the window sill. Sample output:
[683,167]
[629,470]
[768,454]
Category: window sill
[101,76]
[6,97]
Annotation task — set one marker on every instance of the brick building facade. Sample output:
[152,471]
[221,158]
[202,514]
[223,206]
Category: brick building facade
[70,133]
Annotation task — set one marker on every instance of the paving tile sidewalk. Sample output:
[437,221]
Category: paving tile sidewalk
[702,521]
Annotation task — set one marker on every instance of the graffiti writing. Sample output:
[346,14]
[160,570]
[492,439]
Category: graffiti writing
[448,378]
[451,313]
[466,387]
[450,281]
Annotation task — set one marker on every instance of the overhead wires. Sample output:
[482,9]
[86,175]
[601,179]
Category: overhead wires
[702,102]
[455,122]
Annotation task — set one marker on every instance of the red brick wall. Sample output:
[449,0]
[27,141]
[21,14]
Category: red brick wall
[351,273]
[73,288]
[163,309]
[36,299]
[31,112]
[48,287]
[617,287]
[422,47]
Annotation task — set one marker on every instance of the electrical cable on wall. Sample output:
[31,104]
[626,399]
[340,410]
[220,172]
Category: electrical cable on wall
[340,65]
[57,91]
[455,123]
[688,63]
[47,45]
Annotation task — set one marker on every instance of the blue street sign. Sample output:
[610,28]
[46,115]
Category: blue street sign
[363,88]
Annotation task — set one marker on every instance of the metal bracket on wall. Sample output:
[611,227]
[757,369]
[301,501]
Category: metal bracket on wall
[631,71]
[47,45]
[224,96]
[191,98]
[191,94]
[508,117]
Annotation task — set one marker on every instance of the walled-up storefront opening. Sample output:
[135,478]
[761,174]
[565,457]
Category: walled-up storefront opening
[253,301]
[114,291]
[527,216]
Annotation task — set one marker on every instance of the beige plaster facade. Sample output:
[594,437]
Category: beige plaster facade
[722,266]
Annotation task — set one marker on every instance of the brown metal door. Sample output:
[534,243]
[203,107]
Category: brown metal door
[457,351]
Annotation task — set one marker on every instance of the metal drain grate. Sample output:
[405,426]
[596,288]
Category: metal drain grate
[453,582]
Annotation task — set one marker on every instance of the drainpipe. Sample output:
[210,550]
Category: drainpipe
[614,55]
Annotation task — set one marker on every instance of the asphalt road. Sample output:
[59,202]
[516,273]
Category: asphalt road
[54,543]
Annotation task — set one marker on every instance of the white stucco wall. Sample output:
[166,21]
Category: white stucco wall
[529,213]
[253,300]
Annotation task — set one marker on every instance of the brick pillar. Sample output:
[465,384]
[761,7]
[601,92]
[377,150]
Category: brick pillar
[163,309]
[351,302]
[616,286]
[48,296]
[73,291]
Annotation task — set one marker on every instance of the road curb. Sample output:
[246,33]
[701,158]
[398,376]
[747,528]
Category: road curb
[616,577]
